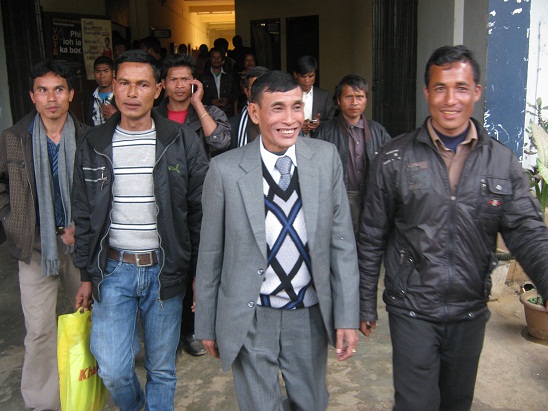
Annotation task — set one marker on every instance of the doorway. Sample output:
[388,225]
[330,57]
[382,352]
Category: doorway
[395,64]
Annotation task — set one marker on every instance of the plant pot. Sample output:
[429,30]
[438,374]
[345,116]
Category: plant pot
[535,315]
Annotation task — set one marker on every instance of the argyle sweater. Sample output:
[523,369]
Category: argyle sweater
[288,282]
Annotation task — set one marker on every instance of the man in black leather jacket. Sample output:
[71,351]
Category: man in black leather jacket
[436,200]
[358,140]
[137,210]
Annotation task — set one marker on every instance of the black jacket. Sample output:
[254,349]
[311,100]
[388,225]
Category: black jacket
[218,141]
[179,172]
[334,131]
[438,248]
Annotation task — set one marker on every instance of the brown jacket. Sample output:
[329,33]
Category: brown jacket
[18,202]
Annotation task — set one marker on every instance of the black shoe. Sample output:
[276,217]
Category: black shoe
[191,346]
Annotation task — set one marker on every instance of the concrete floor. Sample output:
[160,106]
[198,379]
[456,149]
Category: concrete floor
[513,374]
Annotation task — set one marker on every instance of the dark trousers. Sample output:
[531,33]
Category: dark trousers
[187,320]
[435,364]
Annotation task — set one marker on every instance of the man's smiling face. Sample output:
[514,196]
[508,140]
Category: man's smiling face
[280,117]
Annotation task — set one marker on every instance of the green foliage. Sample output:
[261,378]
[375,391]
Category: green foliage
[539,135]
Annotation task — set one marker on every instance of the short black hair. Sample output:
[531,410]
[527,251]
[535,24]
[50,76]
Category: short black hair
[272,82]
[151,43]
[138,56]
[221,43]
[254,72]
[306,64]
[451,54]
[353,80]
[237,41]
[103,60]
[178,60]
[50,66]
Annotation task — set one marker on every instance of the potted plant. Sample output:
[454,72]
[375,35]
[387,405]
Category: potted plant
[536,315]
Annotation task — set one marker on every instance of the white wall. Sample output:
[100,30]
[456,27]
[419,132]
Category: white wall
[537,74]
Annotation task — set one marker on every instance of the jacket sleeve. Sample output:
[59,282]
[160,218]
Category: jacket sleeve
[81,217]
[375,225]
[524,230]
[4,180]
[219,140]
[197,169]
[210,259]
[344,269]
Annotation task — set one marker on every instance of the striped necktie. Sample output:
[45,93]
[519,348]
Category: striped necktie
[242,129]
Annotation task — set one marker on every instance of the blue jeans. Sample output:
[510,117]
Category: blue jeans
[126,292]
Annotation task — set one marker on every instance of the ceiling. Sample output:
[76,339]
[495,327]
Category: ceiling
[217,15]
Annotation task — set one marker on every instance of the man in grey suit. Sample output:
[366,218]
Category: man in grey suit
[277,273]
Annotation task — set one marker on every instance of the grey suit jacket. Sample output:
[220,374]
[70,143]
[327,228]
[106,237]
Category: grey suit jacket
[232,257]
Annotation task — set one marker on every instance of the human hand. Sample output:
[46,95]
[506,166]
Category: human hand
[216,102]
[68,235]
[198,92]
[367,326]
[347,340]
[83,296]
[108,110]
[211,348]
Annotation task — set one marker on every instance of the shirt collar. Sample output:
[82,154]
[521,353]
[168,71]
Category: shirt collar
[222,71]
[471,137]
[269,159]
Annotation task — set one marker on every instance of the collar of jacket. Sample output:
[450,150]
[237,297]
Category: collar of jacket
[424,137]
[101,136]
[192,119]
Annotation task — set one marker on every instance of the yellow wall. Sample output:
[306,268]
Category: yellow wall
[345,30]
[185,26]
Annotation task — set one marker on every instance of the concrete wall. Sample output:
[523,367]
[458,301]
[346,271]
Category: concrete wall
[345,31]
[450,22]
[5,108]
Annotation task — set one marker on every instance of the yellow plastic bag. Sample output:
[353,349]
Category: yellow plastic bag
[80,387]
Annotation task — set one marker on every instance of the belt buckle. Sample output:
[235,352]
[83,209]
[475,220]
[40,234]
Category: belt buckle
[138,262]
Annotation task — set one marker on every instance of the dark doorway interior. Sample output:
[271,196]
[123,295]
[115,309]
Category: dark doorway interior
[302,40]
[23,40]
[265,40]
[395,67]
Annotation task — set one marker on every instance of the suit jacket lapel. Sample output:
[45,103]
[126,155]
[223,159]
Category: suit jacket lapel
[251,189]
[309,185]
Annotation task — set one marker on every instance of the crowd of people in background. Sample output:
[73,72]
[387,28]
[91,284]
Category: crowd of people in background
[264,255]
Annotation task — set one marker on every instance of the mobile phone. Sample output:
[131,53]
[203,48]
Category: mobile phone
[313,121]
[193,88]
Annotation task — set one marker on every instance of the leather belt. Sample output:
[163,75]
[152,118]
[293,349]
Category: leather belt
[139,259]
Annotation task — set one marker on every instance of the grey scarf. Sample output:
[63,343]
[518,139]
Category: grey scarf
[44,187]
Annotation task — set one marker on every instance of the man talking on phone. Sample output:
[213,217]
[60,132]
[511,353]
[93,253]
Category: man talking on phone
[183,104]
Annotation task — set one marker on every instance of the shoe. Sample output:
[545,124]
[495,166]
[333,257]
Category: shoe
[188,344]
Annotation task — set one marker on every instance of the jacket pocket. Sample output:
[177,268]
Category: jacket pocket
[397,284]
[96,175]
[495,193]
